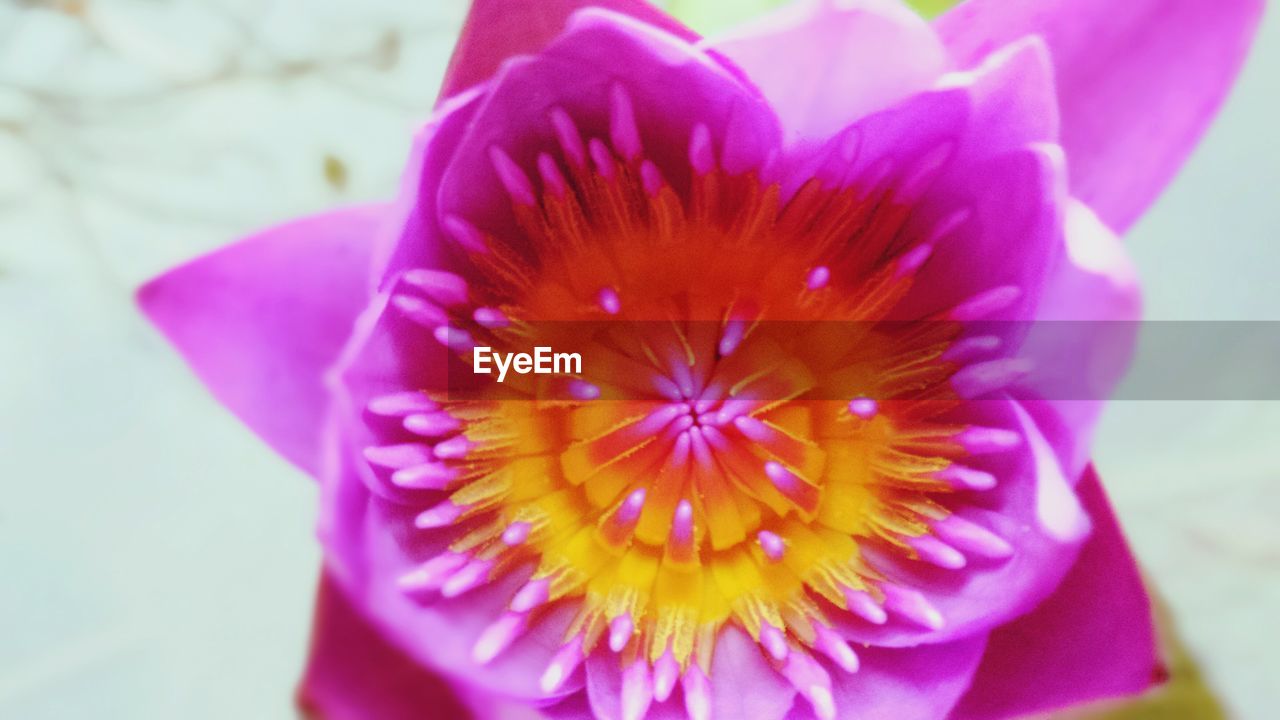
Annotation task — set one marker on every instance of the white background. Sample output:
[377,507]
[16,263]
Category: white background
[156,561]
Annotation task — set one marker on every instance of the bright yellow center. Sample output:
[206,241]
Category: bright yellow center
[714,471]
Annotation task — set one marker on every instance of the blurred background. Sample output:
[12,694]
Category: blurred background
[157,561]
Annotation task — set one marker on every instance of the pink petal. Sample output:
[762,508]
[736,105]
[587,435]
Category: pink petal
[919,683]
[1034,509]
[1008,240]
[497,30]
[604,684]
[823,64]
[1085,335]
[1006,176]
[1012,92]
[373,364]
[370,544]
[1092,639]
[1138,82]
[354,674]
[743,685]
[991,207]
[414,235]
[574,707]
[1094,278]
[261,320]
[672,88]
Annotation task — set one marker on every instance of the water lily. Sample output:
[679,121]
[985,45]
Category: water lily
[733,510]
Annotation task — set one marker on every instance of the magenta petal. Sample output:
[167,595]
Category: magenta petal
[1138,82]
[370,545]
[672,87]
[1090,640]
[574,707]
[374,364]
[1006,178]
[414,236]
[979,162]
[823,65]
[743,685]
[1034,508]
[919,683]
[1013,98]
[1094,279]
[353,674]
[1085,337]
[1009,239]
[604,684]
[261,320]
[500,29]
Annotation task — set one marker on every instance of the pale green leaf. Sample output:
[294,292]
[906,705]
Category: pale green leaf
[931,8]
[710,16]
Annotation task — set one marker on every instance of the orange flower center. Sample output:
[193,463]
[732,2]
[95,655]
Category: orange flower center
[745,425]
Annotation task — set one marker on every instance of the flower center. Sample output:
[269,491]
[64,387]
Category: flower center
[747,435]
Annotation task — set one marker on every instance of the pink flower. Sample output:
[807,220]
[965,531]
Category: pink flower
[732,510]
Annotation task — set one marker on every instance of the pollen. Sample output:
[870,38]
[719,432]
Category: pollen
[749,432]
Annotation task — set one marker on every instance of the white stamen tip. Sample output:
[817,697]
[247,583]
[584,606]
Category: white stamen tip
[824,705]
